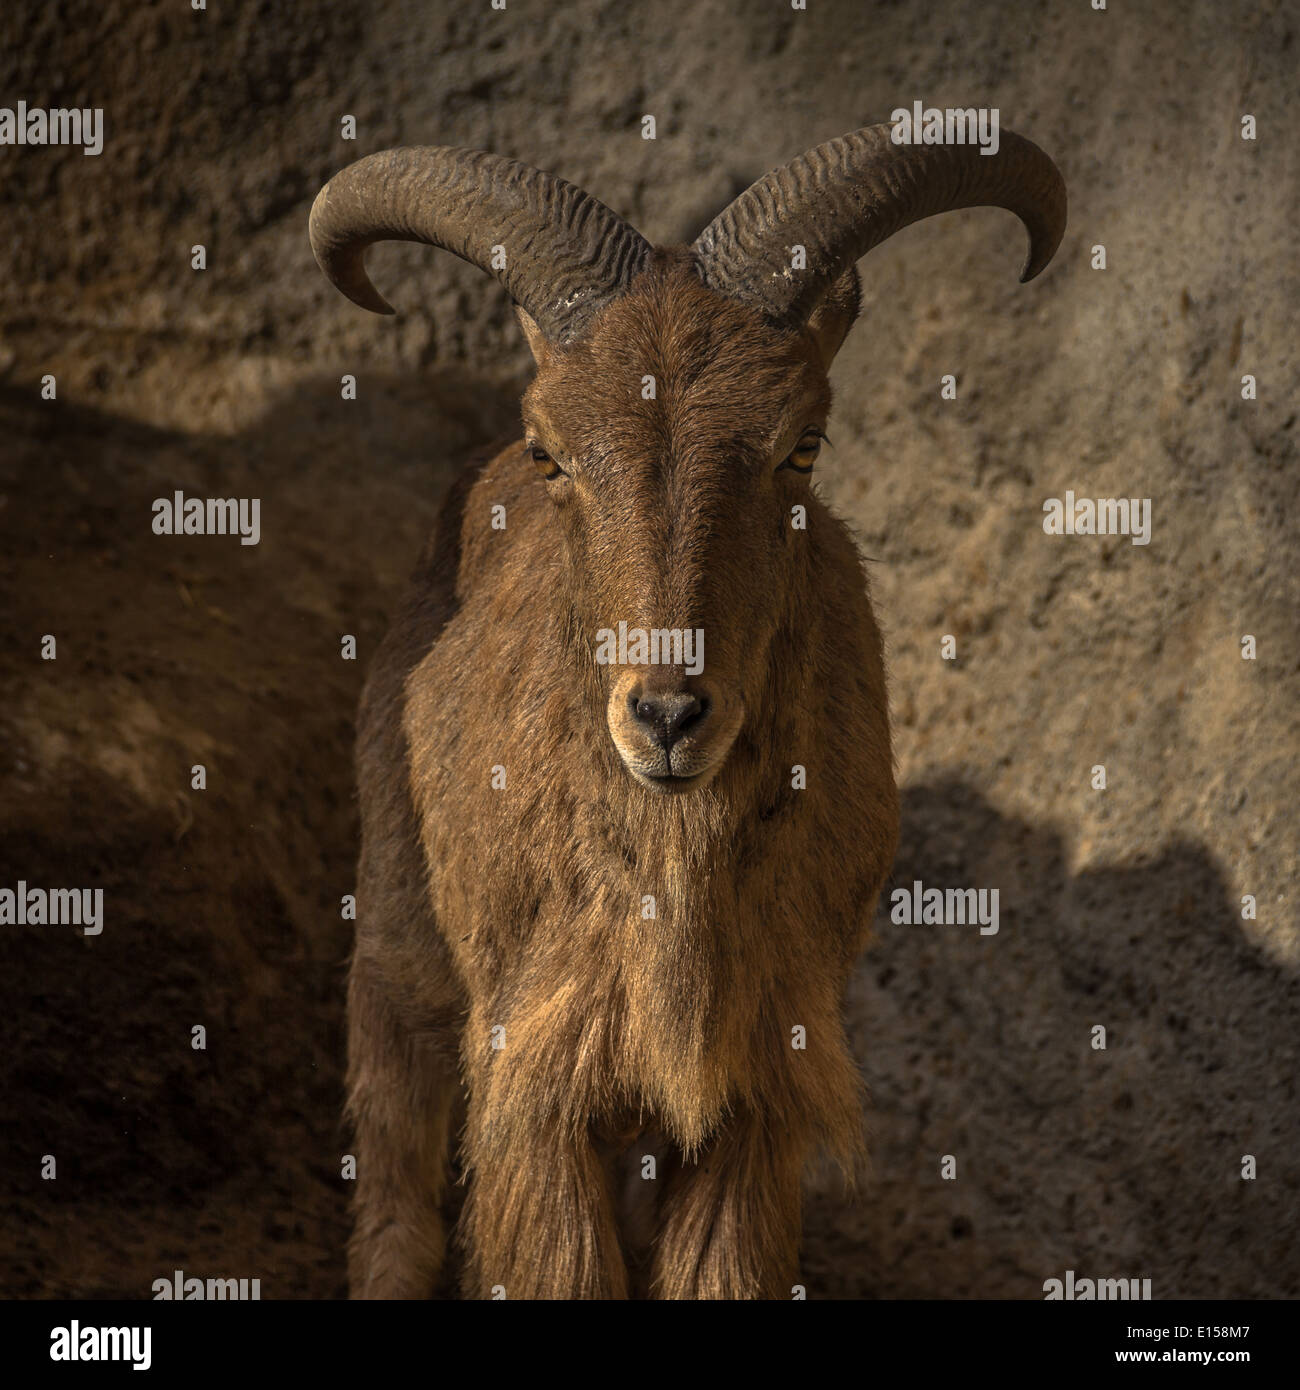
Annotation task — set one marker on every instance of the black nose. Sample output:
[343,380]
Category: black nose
[669,716]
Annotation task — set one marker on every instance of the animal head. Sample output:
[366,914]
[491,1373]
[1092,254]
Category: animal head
[681,394]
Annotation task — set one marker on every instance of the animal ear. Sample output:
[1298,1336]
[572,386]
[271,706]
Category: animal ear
[830,321]
[537,343]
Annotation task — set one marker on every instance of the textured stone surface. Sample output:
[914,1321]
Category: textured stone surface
[1120,908]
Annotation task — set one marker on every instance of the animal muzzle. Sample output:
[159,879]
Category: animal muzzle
[672,731]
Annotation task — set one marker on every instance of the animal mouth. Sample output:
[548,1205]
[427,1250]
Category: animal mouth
[672,781]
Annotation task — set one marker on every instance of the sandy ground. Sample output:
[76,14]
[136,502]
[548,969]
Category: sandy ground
[1120,908]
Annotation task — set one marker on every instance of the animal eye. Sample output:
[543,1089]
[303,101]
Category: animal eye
[805,452]
[545,464]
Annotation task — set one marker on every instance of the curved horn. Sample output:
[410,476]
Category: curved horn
[565,254]
[850,194]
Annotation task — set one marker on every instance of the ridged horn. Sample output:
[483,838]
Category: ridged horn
[566,254]
[850,194]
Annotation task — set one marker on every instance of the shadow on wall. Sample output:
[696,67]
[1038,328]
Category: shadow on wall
[1118,1163]
[222,906]
[222,911]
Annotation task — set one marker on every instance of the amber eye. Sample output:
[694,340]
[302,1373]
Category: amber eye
[544,463]
[805,452]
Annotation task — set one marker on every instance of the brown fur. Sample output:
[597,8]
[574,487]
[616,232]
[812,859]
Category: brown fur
[522,908]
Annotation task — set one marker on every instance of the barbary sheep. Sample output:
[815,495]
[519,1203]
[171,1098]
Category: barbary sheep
[611,890]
